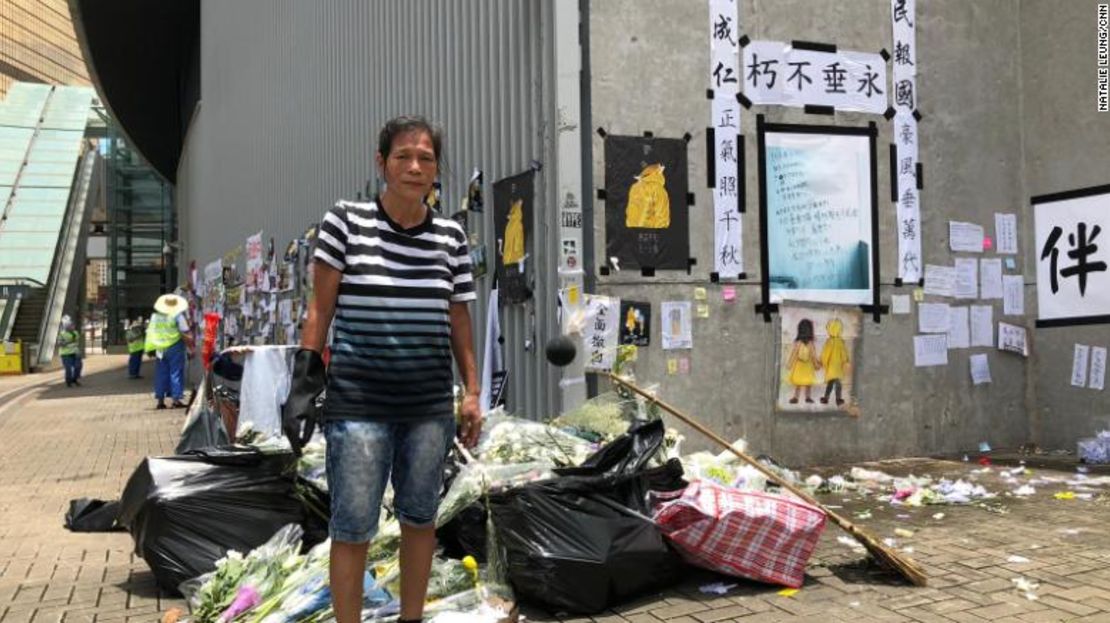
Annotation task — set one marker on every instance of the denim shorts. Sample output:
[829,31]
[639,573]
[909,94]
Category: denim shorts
[363,455]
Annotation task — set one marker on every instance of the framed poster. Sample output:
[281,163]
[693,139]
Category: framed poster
[1073,283]
[818,214]
[635,323]
[818,353]
[647,222]
[513,205]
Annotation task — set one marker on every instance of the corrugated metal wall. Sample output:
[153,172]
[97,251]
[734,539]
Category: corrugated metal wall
[292,97]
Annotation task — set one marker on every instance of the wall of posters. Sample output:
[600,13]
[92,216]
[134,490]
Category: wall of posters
[513,206]
[1073,254]
[818,355]
[818,213]
[646,218]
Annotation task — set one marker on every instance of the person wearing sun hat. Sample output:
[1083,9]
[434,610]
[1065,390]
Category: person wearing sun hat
[169,338]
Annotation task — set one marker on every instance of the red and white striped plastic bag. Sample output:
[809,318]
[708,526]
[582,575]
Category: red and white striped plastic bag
[753,535]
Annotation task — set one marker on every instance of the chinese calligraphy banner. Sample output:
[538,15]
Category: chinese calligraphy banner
[728,258]
[818,357]
[777,73]
[908,208]
[513,199]
[647,223]
[599,336]
[818,213]
[1073,284]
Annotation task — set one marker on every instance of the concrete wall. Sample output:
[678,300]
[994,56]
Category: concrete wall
[648,72]
[1067,145]
[293,95]
[293,92]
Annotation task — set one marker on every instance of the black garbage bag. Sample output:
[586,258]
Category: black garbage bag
[204,430]
[465,534]
[626,454]
[89,515]
[186,512]
[582,544]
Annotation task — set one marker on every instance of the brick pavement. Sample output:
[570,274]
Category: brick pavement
[64,443]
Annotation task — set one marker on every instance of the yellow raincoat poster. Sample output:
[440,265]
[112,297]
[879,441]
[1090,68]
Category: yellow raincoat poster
[513,199]
[817,358]
[646,214]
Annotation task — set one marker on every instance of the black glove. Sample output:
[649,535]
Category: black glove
[309,380]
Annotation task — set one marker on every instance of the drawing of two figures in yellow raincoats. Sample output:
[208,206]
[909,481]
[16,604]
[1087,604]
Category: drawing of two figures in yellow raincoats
[813,358]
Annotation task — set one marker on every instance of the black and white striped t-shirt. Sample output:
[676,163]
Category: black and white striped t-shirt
[391,348]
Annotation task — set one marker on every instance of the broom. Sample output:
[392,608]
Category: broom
[886,556]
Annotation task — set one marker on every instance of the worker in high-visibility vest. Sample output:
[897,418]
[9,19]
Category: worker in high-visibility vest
[169,338]
[69,347]
[136,345]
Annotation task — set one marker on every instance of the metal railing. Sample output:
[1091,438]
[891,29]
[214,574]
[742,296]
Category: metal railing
[66,258]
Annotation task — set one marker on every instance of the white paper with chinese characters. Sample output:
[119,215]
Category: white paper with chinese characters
[776,73]
[903,20]
[1012,338]
[819,182]
[990,278]
[728,257]
[1005,234]
[930,350]
[959,333]
[940,280]
[967,278]
[980,369]
[1079,365]
[965,237]
[932,318]
[1098,368]
[982,325]
[600,335]
[1073,287]
[1013,295]
[903,95]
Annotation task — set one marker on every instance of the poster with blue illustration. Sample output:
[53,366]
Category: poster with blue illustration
[818,201]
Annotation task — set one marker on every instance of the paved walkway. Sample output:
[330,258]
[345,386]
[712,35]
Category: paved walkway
[61,443]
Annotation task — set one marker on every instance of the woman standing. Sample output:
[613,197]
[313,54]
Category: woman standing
[396,279]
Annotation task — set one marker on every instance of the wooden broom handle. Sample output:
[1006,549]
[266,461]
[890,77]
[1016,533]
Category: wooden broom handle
[772,476]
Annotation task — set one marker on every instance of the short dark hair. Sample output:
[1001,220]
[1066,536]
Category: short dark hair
[404,124]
